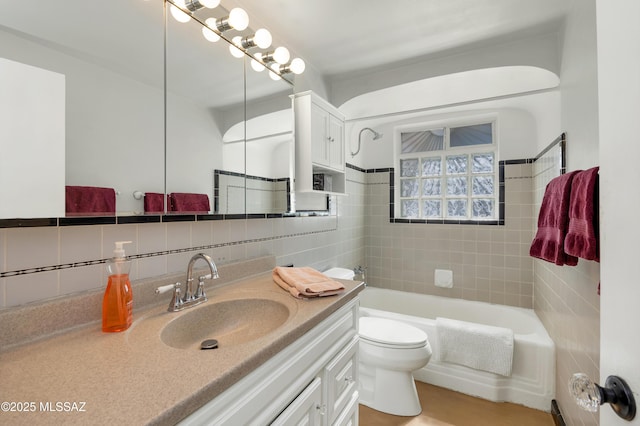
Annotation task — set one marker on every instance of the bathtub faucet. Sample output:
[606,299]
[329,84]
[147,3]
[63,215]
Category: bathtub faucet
[359,273]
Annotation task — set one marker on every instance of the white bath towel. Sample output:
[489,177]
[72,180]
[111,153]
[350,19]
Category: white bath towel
[478,346]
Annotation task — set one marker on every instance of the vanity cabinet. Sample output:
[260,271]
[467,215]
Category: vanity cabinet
[319,145]
[313,381]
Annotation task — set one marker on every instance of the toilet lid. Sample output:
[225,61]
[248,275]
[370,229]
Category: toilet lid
[391,333]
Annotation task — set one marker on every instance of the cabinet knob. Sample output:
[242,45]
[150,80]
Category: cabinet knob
[322,409]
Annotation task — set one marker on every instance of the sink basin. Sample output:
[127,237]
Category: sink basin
[230,322]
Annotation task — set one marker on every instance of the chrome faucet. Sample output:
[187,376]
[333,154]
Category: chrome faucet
[191,297]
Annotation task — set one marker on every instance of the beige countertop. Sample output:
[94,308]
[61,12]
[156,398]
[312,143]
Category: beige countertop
[89,377]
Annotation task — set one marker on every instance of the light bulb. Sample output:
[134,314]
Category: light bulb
[209,4]
[262,39]
[235,51]
[257,66]
[281,55]
[208,33]
[274,76]
[238,19]
[178,13]
[297,66]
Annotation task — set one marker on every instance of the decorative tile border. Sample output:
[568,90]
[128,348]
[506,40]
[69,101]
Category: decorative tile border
[154,254]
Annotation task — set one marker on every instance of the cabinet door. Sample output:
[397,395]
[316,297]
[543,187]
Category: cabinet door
[349,416]
[306,409]
[340,379]
[319,136]
[336,143]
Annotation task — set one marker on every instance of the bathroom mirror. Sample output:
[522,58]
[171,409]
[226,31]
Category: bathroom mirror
[223,153]
[112,66]
[109,56]
[203,80]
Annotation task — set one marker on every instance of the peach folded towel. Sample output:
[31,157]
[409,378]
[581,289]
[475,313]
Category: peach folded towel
[305,282]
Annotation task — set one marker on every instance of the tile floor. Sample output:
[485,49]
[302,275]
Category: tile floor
[443,407]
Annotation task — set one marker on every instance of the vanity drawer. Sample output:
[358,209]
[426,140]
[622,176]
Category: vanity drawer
[340,379]
[305,409]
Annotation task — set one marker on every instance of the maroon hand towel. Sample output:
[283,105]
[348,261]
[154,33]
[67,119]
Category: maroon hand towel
[89,200]
[154,202]
[582,235]
[553,221]
[185,202]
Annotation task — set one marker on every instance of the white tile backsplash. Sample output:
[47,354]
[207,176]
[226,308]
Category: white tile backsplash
[31,247]
[78,243]
[152,238]
[22,289]
[151,267]
[80,279]
[201,233]
[113,233]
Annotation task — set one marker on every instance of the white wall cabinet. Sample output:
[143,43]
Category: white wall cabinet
[32,107]
[313,381]
[319,144]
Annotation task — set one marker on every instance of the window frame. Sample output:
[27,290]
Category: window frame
[448,151]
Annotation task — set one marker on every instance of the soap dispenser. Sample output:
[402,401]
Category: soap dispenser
[117,305]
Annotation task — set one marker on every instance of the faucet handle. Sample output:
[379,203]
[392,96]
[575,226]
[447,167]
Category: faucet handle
[176,301]
[165,288]
[200,290]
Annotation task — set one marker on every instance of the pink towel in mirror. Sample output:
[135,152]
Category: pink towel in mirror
[186,202]
[89,200]
[154,202]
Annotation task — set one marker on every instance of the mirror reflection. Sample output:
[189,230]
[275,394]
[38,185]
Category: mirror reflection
[110,126]
[222,130]
[108,74]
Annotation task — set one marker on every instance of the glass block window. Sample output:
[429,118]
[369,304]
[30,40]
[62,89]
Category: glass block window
[448,173]
[431,166]
[457,164]
[431,187]
[409,168]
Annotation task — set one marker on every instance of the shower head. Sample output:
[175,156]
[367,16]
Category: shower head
[376,136]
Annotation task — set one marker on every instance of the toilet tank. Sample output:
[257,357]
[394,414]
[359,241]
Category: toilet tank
[340,273]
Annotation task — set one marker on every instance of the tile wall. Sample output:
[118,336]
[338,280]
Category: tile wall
[321,242]
[567,302]
[490,263]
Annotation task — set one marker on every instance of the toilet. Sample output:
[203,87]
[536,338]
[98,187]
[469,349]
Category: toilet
[389,352]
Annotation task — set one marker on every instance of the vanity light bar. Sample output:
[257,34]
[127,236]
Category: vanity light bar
[213,29]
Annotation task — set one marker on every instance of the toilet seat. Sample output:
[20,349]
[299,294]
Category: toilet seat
[391,334]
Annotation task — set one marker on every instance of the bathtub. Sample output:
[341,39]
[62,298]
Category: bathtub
[532,382]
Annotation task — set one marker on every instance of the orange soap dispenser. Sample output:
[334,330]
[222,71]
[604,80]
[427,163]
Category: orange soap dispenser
[117,305]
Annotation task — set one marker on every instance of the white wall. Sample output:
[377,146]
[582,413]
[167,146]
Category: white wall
[523,123]
[579,86]
[537,51]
